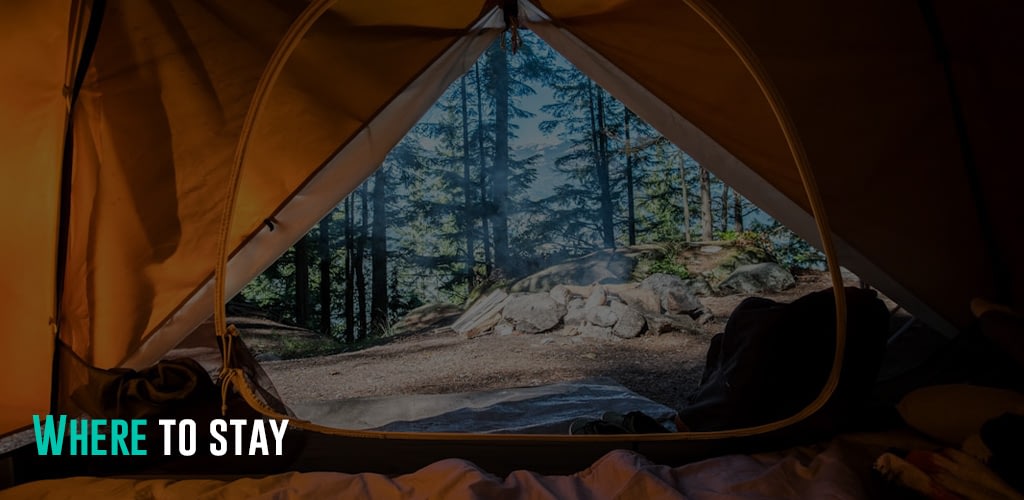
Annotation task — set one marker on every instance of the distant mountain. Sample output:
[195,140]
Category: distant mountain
[547,176]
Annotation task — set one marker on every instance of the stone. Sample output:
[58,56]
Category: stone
[631,322]
[594,331]
[644,299]
[597,298]
[676,298]
[560,294]
[601,316]
[604,266]
[575,316]
[757,278]
[504,328]
[680,302]
[661,324]
[533,313]
[698,286]
[710,249]
[576,291]
[482,316]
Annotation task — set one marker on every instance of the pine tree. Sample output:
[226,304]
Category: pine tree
[324,250]
[379,252]
[301,251]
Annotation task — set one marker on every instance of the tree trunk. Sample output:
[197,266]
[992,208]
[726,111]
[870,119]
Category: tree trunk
[325,275]
[483,211]
[379,252]
[725,207]
[600,138]
[686,199]
[350,316]
[467,191]
[706,230]
[358,262]
[302,282]
[500,174]
[737,213]
[630,208]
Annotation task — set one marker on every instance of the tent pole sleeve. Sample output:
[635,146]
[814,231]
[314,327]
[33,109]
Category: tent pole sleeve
[796,149]
[270,74]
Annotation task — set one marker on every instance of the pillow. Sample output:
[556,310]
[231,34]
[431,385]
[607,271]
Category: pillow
[952,413]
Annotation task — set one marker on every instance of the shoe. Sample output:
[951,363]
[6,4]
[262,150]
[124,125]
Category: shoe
[634,422]
[584,426]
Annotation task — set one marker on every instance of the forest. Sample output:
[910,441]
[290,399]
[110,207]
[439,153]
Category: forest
[522,163]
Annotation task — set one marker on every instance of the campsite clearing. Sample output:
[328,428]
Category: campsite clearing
[665,368]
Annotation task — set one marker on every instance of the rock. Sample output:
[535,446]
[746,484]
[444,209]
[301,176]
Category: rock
[561,295]
[699,286]
[576,291]
[504,328]
[662,324]
[680,302]
[644,299]
[630,324]
[597,298]
[757,278]
[482,317]
[594,331]
[533,313]
[710,249]
[575,316]
[732,257]
[676,298]
[605,266]
[601,316]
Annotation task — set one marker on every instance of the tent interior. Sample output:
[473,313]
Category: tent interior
[159,156]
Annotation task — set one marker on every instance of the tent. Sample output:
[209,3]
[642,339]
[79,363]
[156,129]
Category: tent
[145,143]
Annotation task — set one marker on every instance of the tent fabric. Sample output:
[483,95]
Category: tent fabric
[34,42]
[907,113]
[838,469]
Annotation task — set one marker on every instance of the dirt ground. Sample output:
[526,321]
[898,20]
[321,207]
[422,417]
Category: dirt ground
[664,368]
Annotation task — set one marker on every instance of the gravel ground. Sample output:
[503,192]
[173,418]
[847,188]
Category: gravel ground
[666,368]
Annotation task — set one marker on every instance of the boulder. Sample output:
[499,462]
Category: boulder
[630,322]
[594,331]
[575,313]
[533,313]
[504,328]
[644,299]
[676,298]
[601,316]
[605,266]
[723,263]
[597,298]
[757,278]
[667,323]
[698,285]
[561,294]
